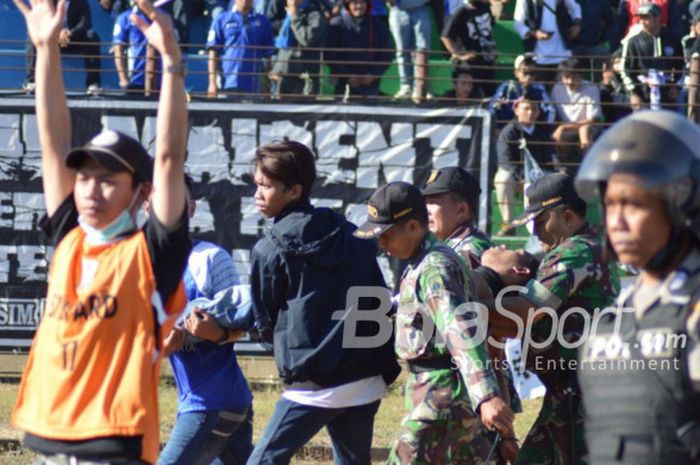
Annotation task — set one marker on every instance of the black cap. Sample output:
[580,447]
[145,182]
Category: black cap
[548,191]
[116,152]
[452,179]
[648,9]
[388,205]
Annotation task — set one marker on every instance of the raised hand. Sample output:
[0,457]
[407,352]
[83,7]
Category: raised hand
[159,33]
[44,20]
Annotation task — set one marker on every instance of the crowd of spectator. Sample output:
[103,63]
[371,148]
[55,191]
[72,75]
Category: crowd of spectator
[587,64]
[636,52]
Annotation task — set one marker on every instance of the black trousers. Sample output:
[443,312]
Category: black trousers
[88,46]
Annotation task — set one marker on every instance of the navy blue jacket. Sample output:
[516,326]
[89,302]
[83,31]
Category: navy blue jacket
[369,41]
[300,275]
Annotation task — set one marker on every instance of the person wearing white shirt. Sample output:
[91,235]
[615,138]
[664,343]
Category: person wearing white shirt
[538,24]
[577,103]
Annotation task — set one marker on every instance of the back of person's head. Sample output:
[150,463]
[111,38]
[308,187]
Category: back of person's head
[289,162]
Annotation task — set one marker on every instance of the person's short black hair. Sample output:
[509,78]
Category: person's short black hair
[472,203]
[531,262]
[461,70]
[289,162]
[572,65]
[419,215]
[579,208]
[529,95]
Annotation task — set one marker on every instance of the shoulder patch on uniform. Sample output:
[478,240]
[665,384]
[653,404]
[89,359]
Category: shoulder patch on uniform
[679,281]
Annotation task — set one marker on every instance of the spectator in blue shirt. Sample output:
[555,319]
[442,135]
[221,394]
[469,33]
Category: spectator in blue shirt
[114,7]
[525,71]
[125,34]
[214,406]
[243,38]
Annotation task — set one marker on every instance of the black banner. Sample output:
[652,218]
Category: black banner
[358,148]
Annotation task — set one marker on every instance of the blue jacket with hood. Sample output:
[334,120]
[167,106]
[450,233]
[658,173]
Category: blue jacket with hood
[301,272]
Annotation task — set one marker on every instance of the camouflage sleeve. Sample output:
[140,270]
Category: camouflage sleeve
[559,275]
[442,288]
[478,245]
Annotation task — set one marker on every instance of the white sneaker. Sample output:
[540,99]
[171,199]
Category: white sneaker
[417,99]
[404,92]
[94,90]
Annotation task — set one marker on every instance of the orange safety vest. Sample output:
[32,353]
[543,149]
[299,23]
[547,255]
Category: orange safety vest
[93,368]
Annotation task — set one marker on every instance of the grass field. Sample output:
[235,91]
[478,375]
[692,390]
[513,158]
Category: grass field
[386,423]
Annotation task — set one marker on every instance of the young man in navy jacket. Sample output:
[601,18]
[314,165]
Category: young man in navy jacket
[302,272]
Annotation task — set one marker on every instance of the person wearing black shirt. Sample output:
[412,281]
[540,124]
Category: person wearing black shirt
[468,36]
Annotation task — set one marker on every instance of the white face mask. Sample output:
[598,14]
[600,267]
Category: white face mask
[123,223]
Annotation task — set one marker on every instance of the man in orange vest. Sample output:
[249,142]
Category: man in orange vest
[89,389]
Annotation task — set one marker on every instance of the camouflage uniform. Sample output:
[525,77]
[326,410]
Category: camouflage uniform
[578,274]
[440,426]
[470,242]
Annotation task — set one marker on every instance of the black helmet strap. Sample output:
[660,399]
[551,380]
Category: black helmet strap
[664,257]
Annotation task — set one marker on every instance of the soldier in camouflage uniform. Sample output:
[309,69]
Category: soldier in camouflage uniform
[640,367]
[450,376]
[575,273]
[452,197]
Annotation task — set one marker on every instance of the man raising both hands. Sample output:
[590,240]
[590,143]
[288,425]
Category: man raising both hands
[113,289]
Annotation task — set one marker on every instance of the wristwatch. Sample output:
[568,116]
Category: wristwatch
[179,69]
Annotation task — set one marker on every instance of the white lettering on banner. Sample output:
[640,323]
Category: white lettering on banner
[20,313]
[443,139]
[20,211]
[10,144]
[244,141]
[124,124]
[26,262]
[31,165]
[203,220]
[331,150]
[28,209]
[6,210]
[148,135]
[30,134]
[251,220]
[285,130]
[208,157]
[241,261]
[395,161]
